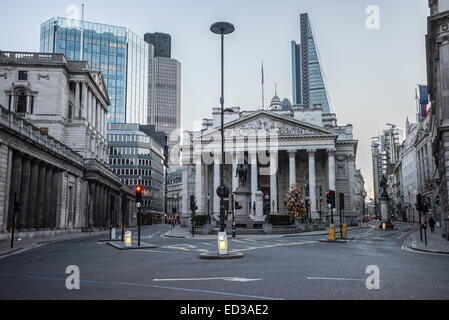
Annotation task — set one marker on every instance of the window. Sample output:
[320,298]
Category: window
[23,75]
[44,130]
[21,101]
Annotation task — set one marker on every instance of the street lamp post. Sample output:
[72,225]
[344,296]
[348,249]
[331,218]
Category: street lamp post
[222,28]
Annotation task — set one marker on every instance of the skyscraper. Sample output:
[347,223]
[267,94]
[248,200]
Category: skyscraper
[161,43]
[308,82]
[119,53]
[164,94]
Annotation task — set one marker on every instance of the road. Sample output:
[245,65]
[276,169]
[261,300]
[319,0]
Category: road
[284,268]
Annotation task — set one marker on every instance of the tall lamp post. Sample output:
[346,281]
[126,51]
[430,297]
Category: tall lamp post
[222,28]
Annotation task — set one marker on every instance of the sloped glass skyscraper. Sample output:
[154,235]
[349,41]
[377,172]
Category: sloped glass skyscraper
[308,82]
[119,53]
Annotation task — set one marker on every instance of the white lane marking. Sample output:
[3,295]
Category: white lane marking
[232,279]
[273,246]
[402,236]
[336,279]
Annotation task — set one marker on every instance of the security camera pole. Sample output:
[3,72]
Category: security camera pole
[222,28]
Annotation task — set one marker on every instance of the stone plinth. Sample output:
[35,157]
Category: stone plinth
[242,196]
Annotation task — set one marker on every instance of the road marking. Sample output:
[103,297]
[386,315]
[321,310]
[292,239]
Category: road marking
[336,279]
[402,236]
[232,279]
[139,285]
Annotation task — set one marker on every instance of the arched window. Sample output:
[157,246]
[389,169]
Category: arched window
[21,101]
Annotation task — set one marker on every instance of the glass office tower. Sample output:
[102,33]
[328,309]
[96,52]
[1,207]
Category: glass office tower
[308,82]
[119,53]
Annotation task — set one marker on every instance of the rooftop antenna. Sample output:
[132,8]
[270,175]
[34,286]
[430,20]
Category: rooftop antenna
[82,12]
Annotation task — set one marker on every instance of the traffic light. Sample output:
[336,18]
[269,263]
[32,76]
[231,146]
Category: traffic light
[139,194]
[342,201]
[193,206]
[330,196]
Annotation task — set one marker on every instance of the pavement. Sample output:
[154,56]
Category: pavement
[435,242]
[273,268]
[185,233]
[21,245]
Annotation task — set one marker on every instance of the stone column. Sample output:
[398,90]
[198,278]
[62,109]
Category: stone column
[94,114]
[41,196]
[312,184]
[199,183]
[89,106]
[24,192]
[351,175]
[33,195]
[77,100]
[185,194]
[235,179]
[273,181]
[84,106]
[331,161]
[5,182]
[92,108]
[28,104]
[216,208]
[292,167]
[57,189]
[254,176]
[16,178]
[48,196]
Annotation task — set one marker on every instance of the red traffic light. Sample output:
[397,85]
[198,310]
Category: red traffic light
[138,188]
[328,192]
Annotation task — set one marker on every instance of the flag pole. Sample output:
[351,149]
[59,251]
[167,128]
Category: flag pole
[263,94]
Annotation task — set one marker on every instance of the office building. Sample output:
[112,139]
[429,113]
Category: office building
[161,43]
[164,95]
[118,52]
[136,156]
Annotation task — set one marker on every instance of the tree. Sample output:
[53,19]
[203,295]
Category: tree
[294,202]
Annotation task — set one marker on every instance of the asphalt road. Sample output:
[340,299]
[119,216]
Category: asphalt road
[273,268]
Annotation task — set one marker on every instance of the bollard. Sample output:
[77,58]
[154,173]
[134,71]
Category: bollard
[331,233]
[344,230]
[128,239]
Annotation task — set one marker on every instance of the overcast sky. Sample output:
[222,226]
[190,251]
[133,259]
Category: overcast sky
[370,74]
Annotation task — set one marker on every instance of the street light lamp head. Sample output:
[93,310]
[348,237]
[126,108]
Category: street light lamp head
[222,28]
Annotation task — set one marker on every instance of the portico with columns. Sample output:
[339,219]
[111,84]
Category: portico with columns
[280,149]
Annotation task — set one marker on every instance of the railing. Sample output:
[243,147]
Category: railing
[9,56]
[21,126]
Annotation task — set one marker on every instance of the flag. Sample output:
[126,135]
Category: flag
[423,100]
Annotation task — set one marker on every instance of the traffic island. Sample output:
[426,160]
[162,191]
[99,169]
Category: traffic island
[386,226]
[333,241]
[217,256]
[134,246]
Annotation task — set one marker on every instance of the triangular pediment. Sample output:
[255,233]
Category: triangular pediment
[269,123]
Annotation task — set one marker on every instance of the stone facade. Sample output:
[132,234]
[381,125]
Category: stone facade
[53,152]
[280,147]
[437,45]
